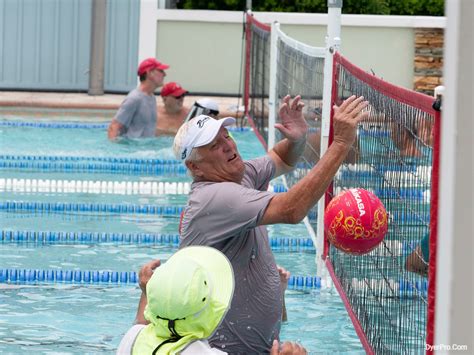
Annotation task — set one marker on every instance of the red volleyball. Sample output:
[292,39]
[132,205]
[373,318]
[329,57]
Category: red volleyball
[355,221]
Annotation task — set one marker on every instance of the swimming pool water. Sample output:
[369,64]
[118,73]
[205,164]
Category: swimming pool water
[93,143]
[78,319]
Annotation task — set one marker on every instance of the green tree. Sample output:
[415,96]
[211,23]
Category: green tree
[375,7]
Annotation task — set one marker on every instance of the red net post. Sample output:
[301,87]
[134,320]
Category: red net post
[430,324]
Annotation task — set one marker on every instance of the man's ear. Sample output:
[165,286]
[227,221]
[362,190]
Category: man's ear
[193,168]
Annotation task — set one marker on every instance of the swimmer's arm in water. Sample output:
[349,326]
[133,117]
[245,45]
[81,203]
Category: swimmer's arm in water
[165,132]
[115,129]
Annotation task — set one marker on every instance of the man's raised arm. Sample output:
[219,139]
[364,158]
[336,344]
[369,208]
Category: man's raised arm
[292,206]
[294,128]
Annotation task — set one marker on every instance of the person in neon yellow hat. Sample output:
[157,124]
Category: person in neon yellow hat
[186,299]
[183,302]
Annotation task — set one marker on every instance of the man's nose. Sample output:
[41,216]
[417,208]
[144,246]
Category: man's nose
[229,144]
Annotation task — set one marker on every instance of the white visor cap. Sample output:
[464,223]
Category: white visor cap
[209,104]
[202,130]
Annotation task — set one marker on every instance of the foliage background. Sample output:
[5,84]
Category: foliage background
[374,7]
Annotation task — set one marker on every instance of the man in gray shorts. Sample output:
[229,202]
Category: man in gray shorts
[229,206]
[136,117]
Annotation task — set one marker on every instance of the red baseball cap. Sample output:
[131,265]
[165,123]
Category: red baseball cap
[173,89]
[150,64]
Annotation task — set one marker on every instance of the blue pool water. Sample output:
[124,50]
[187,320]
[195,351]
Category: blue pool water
[78,318]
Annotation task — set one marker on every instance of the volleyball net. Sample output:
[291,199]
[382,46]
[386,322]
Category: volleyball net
[257,75]
[297,69]
[395,157]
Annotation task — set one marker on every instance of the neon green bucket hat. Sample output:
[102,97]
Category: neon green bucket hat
[187,297]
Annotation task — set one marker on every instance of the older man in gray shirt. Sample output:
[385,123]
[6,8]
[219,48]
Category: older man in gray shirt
[136,117]
[229,206]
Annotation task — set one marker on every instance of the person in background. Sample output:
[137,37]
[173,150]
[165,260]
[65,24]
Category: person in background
[136,117]
[182,303]
[203,106]
[418,260]
[207,107]
[413,136]
[313,143]
[173,112]
[229,206]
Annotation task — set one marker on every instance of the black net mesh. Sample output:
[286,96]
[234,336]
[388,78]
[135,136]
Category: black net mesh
[258,62]
[300,72]
[393,159]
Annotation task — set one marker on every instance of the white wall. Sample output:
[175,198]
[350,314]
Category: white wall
[204,57]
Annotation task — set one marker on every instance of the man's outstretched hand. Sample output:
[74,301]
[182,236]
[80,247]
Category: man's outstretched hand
[346,118]
[293,126]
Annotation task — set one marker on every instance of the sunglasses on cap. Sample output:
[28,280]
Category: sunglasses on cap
[206,111]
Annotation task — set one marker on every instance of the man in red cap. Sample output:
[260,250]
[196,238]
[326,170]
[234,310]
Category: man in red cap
[173,113]
[136,117]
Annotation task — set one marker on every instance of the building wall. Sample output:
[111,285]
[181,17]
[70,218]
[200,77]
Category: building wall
[387,51]
[204,48]
[428,59]
[121,59]
[203,57]
[46,44]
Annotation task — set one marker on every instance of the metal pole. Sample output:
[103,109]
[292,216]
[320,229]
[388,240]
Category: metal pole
[272,96]
[97,56]
[333,41]
[454,267]
[248,5]
[163,4]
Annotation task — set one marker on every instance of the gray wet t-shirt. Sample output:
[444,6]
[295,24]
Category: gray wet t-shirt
[225,216]
[137,114]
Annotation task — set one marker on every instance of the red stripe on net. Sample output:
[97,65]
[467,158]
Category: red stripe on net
[412,98]
[430,324]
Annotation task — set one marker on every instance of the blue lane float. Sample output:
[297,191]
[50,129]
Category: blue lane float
[59,237]
[72,158]
[73,164]
[61,207]
[403,217]
[279,188]
[75,125]
[68,125]
[374,133]
[109,168]
[406,218]
[55,237]
[34,276]
[401,193]
[106,277]
[15,276]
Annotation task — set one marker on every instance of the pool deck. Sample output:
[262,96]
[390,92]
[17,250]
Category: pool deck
[108,103]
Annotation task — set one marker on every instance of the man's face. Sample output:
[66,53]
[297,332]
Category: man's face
[156,76]
[219,160]
[174,103]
